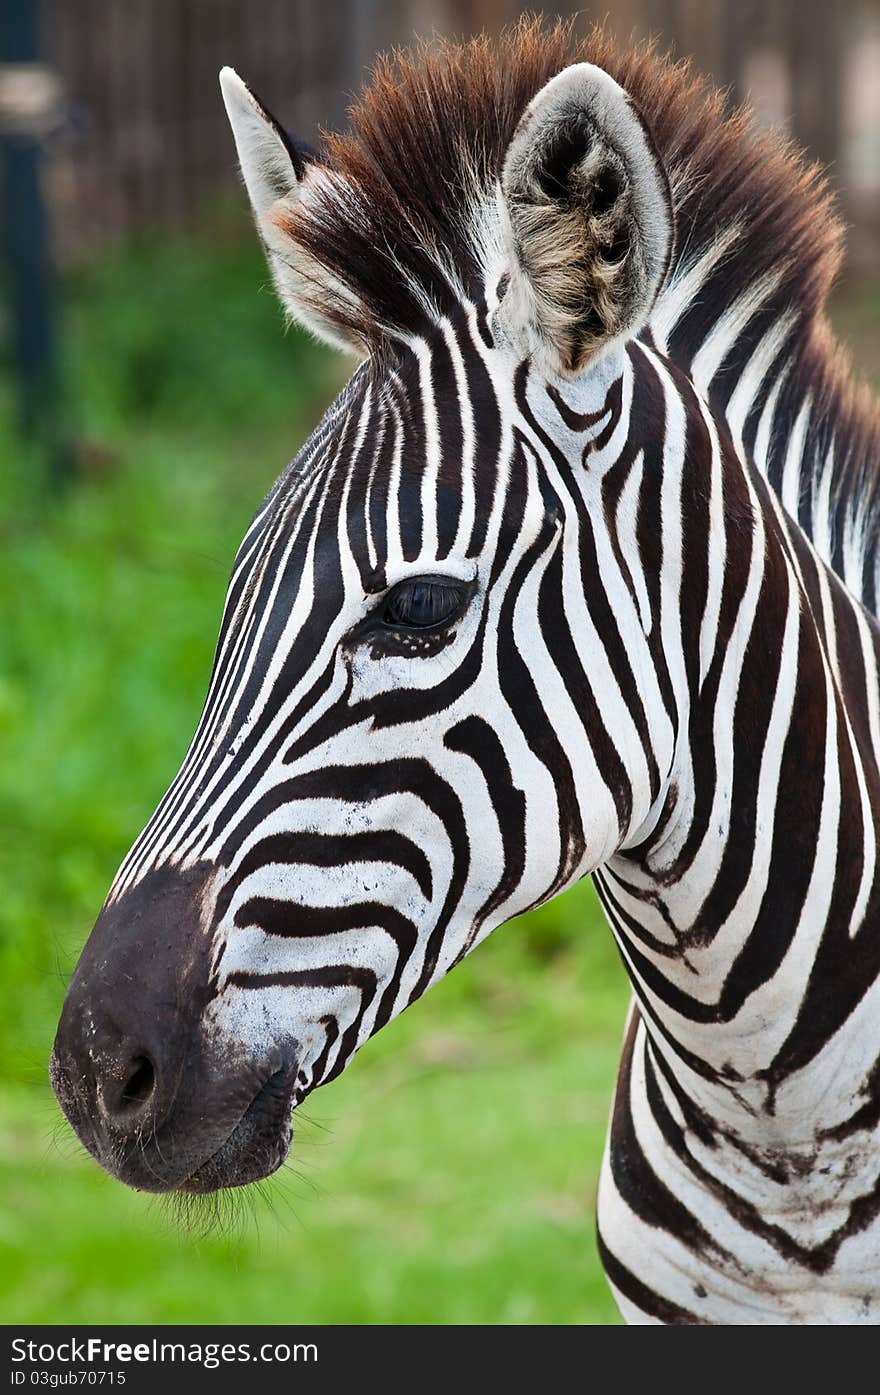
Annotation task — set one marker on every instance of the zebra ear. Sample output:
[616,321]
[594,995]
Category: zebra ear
[281,175]
[586,215]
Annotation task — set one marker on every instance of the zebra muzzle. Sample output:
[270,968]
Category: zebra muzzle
[257,1145]
[151,1093]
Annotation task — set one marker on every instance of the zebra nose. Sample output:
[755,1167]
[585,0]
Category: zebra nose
[132,1014]
[133,1099]
[116,1087]
[113,1066]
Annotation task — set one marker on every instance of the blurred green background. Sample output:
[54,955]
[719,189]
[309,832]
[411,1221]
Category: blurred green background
[450,1175]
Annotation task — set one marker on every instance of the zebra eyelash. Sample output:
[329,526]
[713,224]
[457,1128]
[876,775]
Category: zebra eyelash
[402,623]
[424,603]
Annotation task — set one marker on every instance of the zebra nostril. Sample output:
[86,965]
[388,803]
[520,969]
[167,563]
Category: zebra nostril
[139,1087]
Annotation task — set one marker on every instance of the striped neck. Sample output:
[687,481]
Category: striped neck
[746,911]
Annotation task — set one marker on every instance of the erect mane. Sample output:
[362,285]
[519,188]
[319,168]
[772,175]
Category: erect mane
[428,137]
[405,230]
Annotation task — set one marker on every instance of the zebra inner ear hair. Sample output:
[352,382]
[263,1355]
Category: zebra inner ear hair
[564,151]
[588,217]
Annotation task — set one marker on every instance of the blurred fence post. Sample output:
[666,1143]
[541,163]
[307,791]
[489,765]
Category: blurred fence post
[816,52]
[29,104]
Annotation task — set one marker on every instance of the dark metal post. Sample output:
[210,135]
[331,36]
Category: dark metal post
[28,105]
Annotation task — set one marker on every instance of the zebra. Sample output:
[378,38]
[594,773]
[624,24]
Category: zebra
[577,577]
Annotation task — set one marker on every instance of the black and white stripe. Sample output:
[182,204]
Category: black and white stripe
[663,672]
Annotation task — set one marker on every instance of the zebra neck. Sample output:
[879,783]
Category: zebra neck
[688,1205]
[797,418]
[745,1136]
[759,887]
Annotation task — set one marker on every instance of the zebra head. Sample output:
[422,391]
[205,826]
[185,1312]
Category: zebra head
[436,700]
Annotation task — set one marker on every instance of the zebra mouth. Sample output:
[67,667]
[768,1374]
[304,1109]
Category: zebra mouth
[257,1145]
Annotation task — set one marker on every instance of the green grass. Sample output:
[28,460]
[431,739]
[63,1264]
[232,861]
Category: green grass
[450,1174]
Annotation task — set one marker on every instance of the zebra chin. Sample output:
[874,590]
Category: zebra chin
[151,1094]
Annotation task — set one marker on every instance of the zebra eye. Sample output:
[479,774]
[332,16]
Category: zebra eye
[421,603]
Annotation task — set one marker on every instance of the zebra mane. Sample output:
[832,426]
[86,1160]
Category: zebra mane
[403,230]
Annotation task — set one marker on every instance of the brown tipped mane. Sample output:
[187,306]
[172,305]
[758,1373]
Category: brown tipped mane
[428,137]
[401,229]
